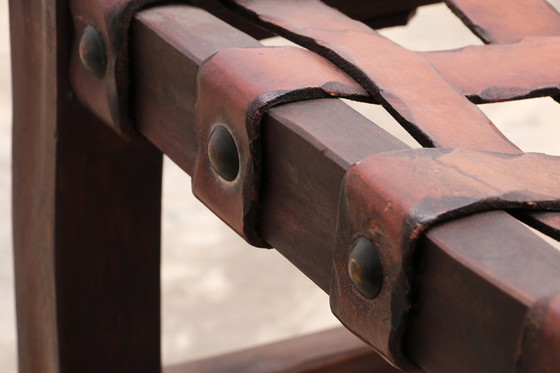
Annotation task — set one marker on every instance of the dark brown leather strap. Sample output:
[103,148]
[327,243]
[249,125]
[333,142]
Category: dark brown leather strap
[506,21]
[404,82]
[502,72]
[236,87]
[392,198]
[106,92]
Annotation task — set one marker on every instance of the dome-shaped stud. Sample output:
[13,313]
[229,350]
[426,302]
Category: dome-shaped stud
[364,268]
[92,52]
[223,153]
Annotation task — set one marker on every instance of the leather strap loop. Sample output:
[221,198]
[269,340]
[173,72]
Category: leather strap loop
[392,198]
[236,88]
[107,94]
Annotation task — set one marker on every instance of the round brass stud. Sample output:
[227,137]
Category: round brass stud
[92,52]
[223,153]
[364,268]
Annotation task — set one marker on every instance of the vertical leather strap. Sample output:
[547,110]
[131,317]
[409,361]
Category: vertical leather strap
[390,199]
[236,88]
[105,92]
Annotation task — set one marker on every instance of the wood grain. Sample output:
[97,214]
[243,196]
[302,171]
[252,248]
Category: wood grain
[86,208]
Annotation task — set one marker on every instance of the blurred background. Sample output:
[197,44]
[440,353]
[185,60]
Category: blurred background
[218,293]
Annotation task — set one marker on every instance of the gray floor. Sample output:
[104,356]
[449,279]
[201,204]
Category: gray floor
[219,294]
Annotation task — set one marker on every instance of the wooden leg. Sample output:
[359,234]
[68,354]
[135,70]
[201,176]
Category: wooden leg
[86,209]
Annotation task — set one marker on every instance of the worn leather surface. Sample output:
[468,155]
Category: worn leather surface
[393,198]
[106,97]
[410,87]
[236,87]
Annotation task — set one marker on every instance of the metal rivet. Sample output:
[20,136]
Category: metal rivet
[365,269]
[222,153]
[92,52]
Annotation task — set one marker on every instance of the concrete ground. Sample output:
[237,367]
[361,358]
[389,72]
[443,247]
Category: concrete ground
[218,293]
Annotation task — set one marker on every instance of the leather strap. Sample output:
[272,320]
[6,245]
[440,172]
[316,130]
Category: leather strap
[407,85]
[392,198]
[499,21]
[540,342]
[236,88]
[106,95]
